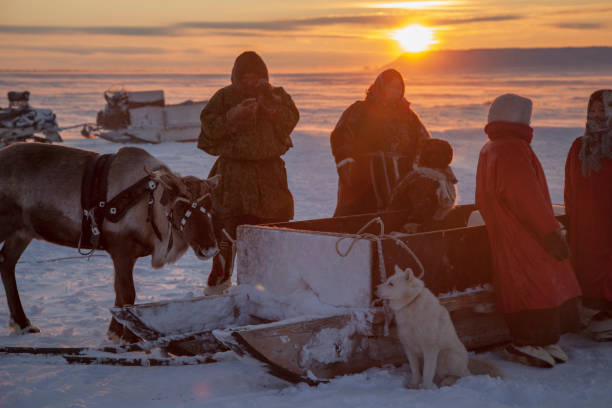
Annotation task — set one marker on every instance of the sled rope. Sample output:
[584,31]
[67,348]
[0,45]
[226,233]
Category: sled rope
[228,236]
[60,129]
[378,238]
[61,259]
[381,265]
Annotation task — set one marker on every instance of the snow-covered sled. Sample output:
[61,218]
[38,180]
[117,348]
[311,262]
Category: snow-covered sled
[144,117]
[305,302]
[21,123]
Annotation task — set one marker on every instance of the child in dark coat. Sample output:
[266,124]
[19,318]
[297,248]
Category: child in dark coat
[429,191]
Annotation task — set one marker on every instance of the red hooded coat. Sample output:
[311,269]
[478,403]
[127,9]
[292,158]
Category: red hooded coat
[588,202]
[513,198]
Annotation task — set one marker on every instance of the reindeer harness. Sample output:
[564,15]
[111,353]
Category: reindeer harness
[96,209]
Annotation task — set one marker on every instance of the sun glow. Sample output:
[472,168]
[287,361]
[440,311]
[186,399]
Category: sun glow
[415,38]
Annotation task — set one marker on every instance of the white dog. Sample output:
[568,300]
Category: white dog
[427,333]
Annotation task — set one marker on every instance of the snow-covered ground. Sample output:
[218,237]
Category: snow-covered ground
[68,296]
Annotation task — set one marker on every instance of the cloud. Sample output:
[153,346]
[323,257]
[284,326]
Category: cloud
[379,20]
[579,10]
[104,30]
[483,19]
[89,50]
[250,28]
[296,24]
[580,26]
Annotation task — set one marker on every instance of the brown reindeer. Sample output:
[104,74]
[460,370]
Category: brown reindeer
[40,198]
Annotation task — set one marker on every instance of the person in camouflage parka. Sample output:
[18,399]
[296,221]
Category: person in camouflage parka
[248,125]
[374,144]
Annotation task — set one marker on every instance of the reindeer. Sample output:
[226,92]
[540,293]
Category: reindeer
[40,198]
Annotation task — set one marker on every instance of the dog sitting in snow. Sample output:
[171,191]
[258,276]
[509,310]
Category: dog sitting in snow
[427,333]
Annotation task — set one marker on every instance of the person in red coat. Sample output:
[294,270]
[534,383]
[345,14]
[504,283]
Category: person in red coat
[535,286]
[588,203]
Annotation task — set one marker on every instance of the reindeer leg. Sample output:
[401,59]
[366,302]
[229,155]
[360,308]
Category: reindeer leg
[125,294]
[9,255]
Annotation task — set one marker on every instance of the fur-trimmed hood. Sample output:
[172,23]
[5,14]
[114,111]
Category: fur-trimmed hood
[249,62]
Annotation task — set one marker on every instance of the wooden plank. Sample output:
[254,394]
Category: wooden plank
[138,361]
[316,349]
[42,350]
[393,220]
[126,316]
[183,318]
[197,344]
[115,349]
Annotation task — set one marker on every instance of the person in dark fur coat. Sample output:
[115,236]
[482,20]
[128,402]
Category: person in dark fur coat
[429,191]
[248,124]
[374,144]
[535,286]
[588,204]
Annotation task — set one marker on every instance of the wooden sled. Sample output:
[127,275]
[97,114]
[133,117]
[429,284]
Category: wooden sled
[343,346]
[341,268]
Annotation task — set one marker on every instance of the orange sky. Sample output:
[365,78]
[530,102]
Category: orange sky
[292,36]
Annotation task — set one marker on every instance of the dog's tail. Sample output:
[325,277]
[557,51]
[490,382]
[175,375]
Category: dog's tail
[478,366]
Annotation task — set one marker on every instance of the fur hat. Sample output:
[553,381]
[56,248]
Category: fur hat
[510,108]
[249,62]
[435,154]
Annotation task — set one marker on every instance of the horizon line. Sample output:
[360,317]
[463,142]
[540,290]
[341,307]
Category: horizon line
[218,72]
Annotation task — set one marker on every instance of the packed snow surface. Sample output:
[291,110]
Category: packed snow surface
[69,296]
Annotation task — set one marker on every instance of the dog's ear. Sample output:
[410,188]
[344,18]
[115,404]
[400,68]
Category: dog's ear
[409,274]
[398,270]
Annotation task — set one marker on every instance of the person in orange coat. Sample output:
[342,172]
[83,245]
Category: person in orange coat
[588,203]
[375,144]
[535,286]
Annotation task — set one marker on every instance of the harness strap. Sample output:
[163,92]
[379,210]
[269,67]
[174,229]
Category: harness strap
[150,217]
[93,200]
[122,202]
[94,188]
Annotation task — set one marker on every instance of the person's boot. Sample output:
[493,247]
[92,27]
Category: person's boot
[557,353]
[600,326]
[220,275]
[535,356]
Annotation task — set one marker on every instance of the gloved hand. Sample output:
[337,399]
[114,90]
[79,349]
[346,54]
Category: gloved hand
[242,115]
[555,244]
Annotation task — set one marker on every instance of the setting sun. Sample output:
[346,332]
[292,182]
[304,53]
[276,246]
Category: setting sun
[415,38]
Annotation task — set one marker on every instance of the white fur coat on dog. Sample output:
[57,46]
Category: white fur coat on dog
[427,333]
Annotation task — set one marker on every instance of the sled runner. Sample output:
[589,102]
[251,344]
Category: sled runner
[144,117]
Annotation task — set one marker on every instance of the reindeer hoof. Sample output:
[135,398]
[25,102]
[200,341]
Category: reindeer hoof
[30,329]
[18,330]
[217,289]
